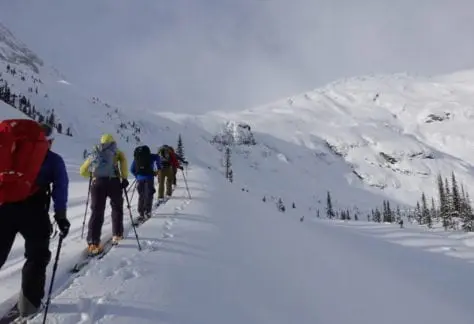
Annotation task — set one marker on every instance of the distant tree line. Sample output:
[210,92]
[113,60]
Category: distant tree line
[21,103]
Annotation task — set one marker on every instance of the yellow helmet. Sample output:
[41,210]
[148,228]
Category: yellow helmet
[107,138]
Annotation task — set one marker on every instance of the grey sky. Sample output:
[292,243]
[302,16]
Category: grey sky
[200,55]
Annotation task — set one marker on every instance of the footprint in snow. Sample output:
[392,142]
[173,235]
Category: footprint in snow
[107,272]
[125,262]
[151,245]
[167,235]
[126,274]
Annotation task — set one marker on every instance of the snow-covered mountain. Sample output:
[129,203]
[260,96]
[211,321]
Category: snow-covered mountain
[392,133]
[363,139]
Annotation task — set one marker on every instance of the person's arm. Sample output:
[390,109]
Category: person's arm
[123,165]
[84,169]
[132,169]
[60,182]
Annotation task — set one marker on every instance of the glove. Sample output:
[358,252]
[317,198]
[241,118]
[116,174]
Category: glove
[156,173]
[63,223]
[125,183]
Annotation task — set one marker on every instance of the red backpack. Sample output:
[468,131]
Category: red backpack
[23,148]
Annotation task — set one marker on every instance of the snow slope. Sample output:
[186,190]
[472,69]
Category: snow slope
[223,257]
[392,134]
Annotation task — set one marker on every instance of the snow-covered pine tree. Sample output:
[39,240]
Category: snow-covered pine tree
[227,163]
[433,211]
[389,212]
[425,212]
[384,212]
[329,210]
[443,208]
[343,215]
[180,147]
[449,204]
[468,215]
[377,215]
[418,214]
[456,197]
[231,176]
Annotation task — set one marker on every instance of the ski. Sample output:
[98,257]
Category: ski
[137,222]
[86,257]
[13,316]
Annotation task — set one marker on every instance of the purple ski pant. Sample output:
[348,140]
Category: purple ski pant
[101,189]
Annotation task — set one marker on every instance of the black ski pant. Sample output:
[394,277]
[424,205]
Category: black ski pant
[101,189]
[30,218]
[175,171]
[146,190]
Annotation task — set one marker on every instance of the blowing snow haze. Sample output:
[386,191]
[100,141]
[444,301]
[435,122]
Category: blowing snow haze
[202,55]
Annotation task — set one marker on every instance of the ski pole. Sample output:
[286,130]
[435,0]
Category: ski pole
[55,267]
[87,206]
[134,189]
[186,183]
[131,219]
[133,184]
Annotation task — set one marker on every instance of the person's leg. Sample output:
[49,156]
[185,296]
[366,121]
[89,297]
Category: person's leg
[98,200]
[115,192]
[35,228]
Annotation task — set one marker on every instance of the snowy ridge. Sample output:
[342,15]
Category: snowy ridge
[14,52]
[394,133]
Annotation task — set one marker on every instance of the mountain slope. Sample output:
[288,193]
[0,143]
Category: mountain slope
[392,133]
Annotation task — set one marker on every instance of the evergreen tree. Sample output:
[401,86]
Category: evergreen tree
[52,119]
[228,163]
[384,211]
[294,206]
[179,147]
[399,214]
[448,205]
[443,205]
[264,199]
[467,214]
[317,214]
[329,210]
[456,199]
[389,212]
[231,176]
[433,212]
[418,214]
[343,215]
[425,212]
[377,215]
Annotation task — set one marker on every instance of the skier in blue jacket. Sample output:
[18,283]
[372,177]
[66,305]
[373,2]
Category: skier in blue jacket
[30,218]
[144,168]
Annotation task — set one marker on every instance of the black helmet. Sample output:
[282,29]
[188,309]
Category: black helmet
[49,131]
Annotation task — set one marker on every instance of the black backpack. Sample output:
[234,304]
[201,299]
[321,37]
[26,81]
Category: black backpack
[143,161]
